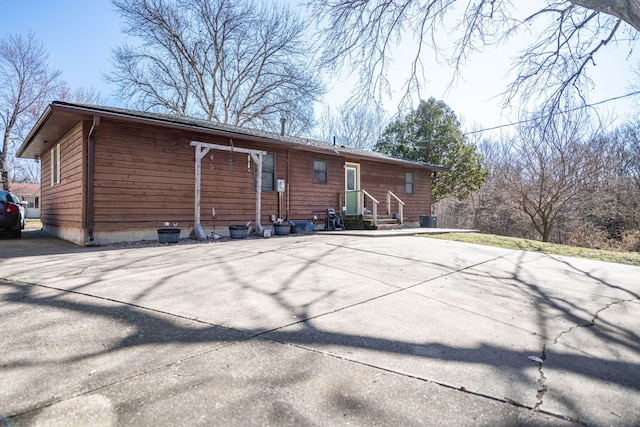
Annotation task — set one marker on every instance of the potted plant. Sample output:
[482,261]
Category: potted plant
[281,227]
[239,231]
[169,235]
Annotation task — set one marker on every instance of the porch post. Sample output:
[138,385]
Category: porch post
[202,148]
[198,232]
[257,158]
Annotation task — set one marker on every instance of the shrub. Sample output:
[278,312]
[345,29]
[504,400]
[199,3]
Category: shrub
[589,236]
[631,241]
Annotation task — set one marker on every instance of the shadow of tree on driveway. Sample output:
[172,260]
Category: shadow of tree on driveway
[149,327]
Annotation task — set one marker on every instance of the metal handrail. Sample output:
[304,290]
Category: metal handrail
[400,206]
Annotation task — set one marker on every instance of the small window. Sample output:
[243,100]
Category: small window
[320,172]
[408,182]
[351,179]
[268,172]
[55,165]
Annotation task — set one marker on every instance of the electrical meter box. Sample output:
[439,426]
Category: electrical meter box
[280,185]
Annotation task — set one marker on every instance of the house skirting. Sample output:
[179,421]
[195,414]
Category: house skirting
[81,237]
[101,238]
[71,234]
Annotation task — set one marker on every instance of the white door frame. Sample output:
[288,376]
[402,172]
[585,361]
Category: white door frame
[356,167]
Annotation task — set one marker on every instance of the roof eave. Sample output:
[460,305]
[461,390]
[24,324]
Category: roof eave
[36,128]
[85,112]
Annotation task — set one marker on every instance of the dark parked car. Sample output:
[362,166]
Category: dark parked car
[12,214]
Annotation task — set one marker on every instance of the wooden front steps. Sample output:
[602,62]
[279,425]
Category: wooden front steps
[365,222]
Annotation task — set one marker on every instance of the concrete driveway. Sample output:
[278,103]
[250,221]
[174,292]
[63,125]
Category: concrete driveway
[315,330]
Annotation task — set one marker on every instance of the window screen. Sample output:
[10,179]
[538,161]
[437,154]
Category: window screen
[268,172]
[320,171]
[408,182]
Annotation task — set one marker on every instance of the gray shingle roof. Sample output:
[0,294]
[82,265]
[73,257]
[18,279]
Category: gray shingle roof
[206,125]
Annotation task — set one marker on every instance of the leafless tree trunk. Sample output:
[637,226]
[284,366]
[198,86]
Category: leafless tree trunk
[242,63]
[26,84]
[547,167]
[600,210]
[626,10]
[630,171]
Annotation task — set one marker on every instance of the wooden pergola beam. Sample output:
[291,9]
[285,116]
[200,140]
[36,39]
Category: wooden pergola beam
[202,148]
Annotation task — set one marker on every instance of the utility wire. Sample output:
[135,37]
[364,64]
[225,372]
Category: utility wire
[554,114]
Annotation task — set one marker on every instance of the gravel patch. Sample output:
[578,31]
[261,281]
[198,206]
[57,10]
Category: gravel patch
[188,241]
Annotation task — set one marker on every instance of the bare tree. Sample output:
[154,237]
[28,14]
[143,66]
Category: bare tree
[361,126]
[356,126]
[601,209]
[629,156]
[237,62]
[547,166]
[26,85]
[28,170]
[626,10]
[363,35]
[326,125]
[79,94]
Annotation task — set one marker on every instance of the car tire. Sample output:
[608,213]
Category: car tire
[16,234]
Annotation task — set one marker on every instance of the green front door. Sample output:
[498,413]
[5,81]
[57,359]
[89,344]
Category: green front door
[352,188]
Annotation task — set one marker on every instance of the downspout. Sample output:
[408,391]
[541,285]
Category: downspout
[288,181]
[432,208]
[90,143]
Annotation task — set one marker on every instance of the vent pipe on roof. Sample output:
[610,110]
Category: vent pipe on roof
[283,120]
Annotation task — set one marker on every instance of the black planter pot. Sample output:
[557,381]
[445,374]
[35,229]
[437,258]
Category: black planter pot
[168,235]
[238,231]
[281,229]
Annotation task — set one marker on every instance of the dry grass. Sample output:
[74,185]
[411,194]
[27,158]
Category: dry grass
[629,258]
[33,224]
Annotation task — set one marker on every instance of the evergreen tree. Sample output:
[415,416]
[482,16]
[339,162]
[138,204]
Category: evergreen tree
[432,134]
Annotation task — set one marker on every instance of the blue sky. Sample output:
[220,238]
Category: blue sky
[79,36]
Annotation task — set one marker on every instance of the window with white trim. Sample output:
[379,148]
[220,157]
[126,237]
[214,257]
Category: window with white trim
[408,182]
[55,165]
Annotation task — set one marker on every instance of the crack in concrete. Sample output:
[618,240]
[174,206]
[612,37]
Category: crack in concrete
[542,386]
[593,320]
[79,272]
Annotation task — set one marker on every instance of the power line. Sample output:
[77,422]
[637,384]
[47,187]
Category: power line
[554,114]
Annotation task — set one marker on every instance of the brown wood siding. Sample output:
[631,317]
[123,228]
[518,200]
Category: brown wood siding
[142,178]
[63,204]
[307,196]
[379,178]
[145,176]
[229,186]
[376,178]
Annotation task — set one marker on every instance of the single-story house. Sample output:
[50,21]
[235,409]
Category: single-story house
[28,192]
[111,174]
